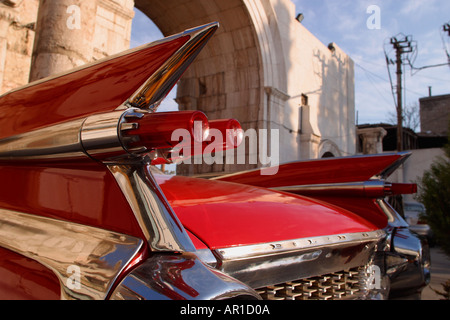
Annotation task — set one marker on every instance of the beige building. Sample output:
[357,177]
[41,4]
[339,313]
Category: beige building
[263,67]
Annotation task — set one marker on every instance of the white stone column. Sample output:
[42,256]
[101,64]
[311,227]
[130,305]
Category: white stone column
[310,135]
[7,16]
[372,139]
[274,120]
[64,36]
[4,25]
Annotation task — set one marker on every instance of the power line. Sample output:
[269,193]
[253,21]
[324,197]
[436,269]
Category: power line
[375,87]
[431,78]
[374,74]
[389,62]
[445,28]
[368,74]
[430,66]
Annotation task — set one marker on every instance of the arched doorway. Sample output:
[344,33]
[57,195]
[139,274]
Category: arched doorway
[225,80]
[328,154]
[329,149]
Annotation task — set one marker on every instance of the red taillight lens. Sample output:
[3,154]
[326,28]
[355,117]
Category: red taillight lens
[230,130]
[403,188]
[154,130]
[222,134]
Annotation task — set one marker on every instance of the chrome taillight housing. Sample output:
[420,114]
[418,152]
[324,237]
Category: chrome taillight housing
[155,130]
[123,135]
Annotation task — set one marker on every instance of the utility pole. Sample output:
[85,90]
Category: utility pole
[446,28]
[398,61]
[401,47]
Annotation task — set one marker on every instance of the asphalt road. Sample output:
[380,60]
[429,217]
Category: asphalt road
[440,273]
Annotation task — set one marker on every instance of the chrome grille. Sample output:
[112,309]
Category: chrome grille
[335,286]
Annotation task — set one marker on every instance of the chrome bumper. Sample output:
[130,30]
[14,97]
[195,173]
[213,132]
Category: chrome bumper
[180,277]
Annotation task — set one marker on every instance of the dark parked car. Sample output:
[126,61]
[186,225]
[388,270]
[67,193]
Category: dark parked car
[414,215]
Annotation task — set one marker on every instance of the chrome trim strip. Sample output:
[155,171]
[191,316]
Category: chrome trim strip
[160,225]
[372,188]
[207,257]
[404,155]
[289,246]
[179,277]
[99,255]
[394,218]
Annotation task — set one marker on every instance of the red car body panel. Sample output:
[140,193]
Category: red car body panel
[83,194]
[226,214]
[22,278]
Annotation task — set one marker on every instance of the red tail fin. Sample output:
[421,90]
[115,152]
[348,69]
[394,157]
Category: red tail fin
[139,77]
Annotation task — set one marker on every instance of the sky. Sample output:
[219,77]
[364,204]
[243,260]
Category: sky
[363,28]
[345,22]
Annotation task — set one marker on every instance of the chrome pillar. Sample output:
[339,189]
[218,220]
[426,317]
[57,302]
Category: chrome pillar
[160,225]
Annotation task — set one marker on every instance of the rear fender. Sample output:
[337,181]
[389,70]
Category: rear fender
[359,185]
[349,182]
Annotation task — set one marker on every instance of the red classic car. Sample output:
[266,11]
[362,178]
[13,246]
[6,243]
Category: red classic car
[85,215]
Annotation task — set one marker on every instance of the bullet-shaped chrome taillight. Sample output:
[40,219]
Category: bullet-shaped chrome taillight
[156,130]
[127,135]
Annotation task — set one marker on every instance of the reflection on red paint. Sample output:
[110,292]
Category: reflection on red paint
[227,214]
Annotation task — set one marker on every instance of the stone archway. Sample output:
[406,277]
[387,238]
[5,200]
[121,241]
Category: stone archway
[225,80]
[231,76]
[329,149]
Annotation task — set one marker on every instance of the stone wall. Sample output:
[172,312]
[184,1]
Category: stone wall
[435,114]
[68,37]
[112,27]
[17,24]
